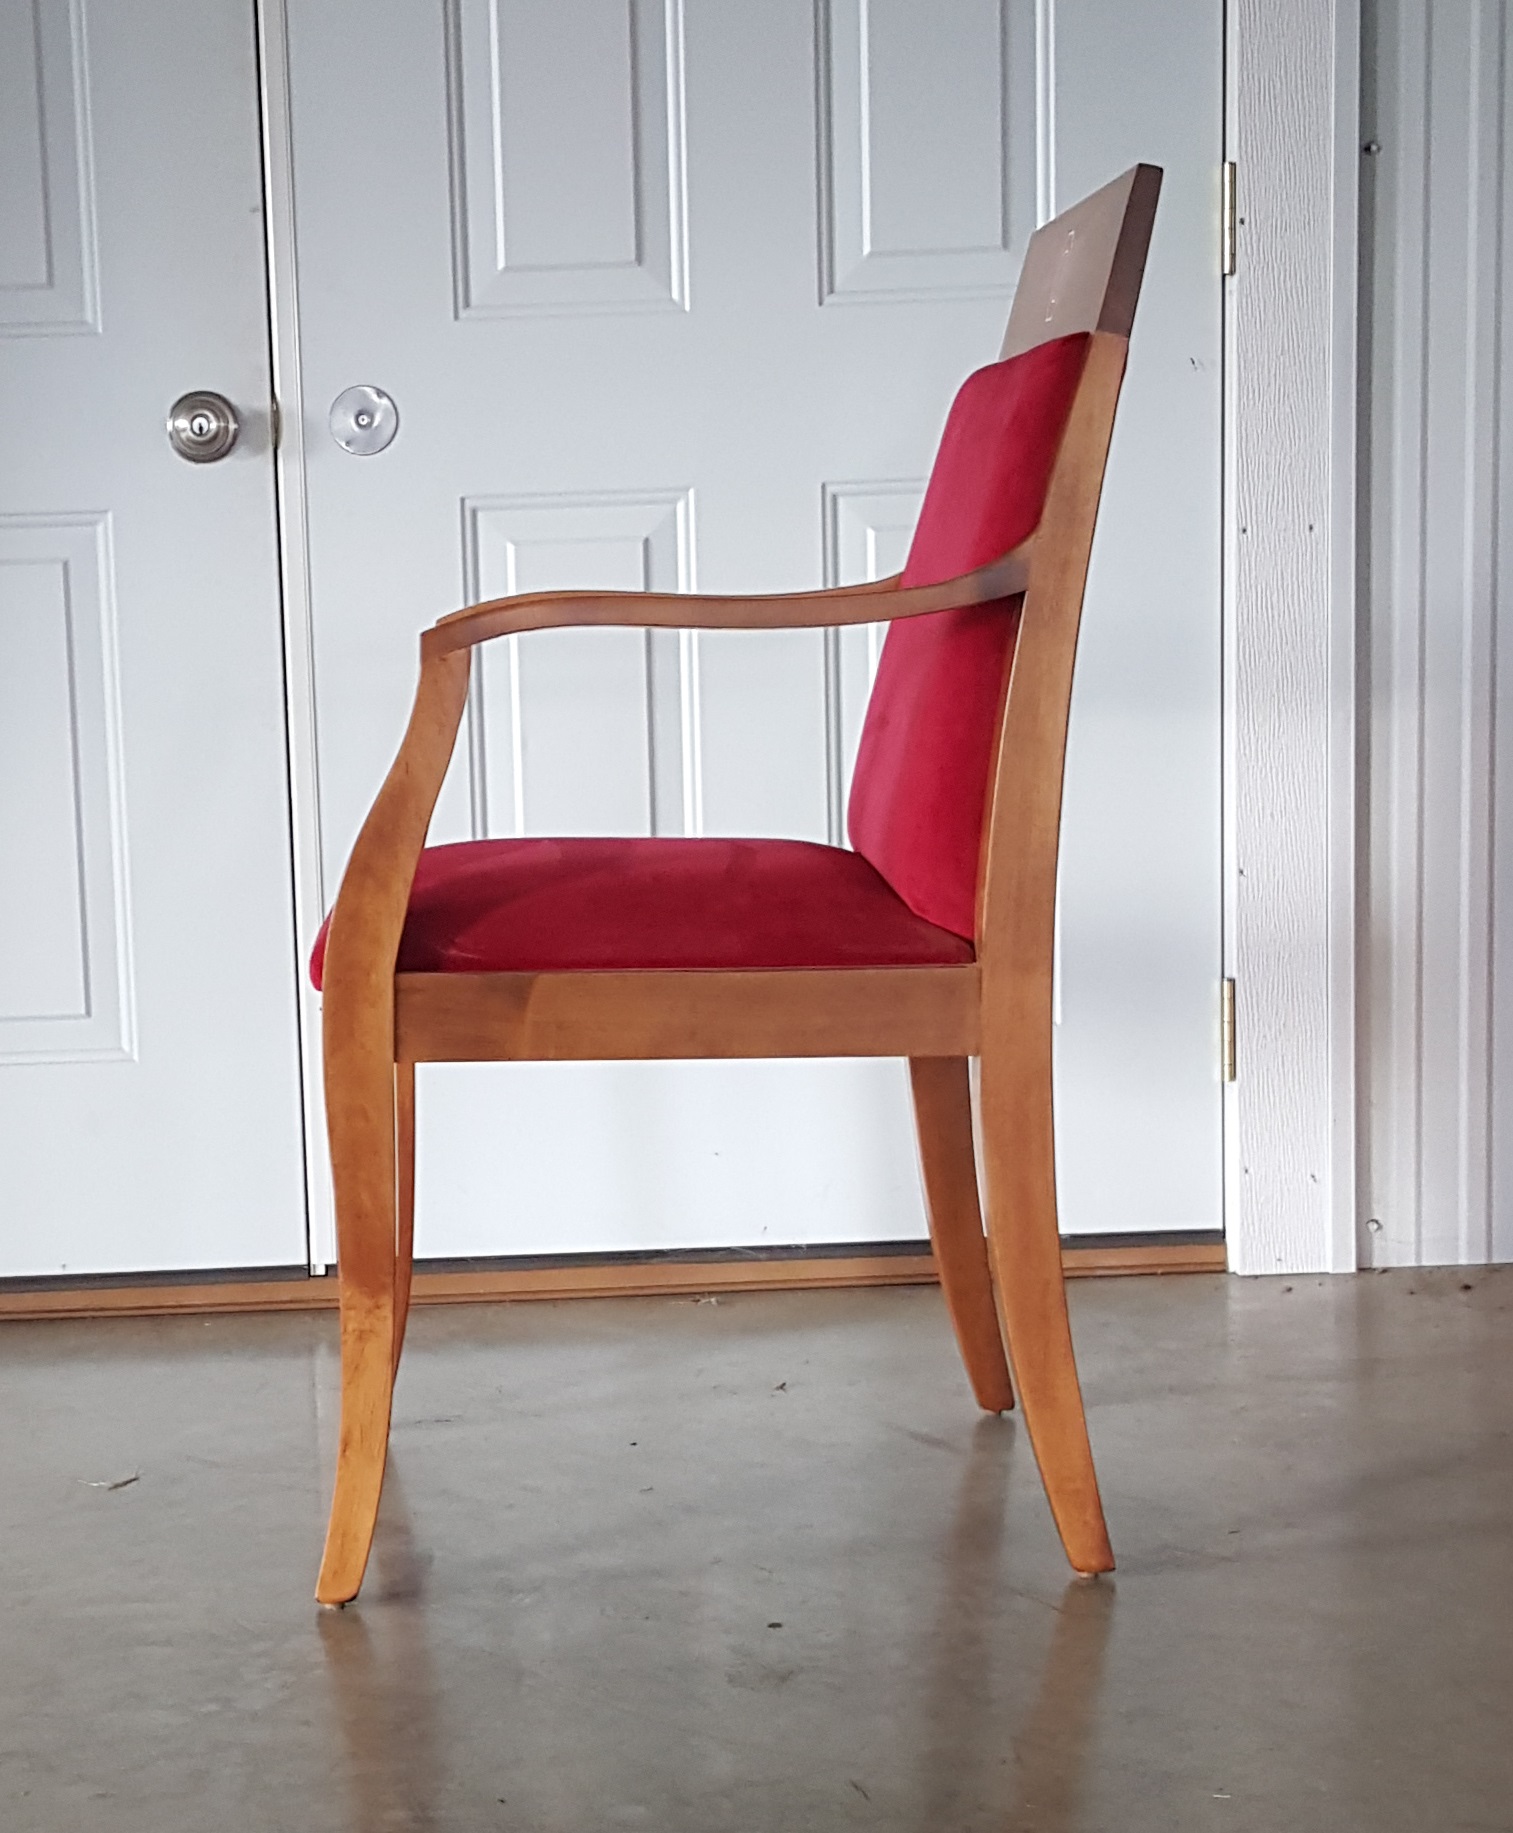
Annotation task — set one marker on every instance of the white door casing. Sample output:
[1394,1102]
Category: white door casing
[664,294]
[149,1112]
[1293,817]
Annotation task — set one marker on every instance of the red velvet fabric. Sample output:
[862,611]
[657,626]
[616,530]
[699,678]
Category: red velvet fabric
[501,906]
[921,781]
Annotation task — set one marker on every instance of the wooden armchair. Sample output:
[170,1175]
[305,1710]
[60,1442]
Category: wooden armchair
[932,940]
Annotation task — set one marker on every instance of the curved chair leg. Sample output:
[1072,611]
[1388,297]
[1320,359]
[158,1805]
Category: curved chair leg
[1019,1160]
[361,1118]
[943,1115]
[404,1243]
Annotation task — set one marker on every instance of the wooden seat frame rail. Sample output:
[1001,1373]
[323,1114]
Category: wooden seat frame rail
[1082,273]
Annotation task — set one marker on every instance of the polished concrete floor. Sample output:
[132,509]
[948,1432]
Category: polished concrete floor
[758,1564]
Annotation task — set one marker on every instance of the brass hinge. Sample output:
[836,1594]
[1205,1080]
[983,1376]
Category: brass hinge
[1227,219]
[1227,1030]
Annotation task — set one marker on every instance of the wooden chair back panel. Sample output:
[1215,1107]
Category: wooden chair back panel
[1082,270]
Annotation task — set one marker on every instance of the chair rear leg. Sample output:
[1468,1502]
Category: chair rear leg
[361,1121]
[1019,1162]
[404,1245]
[943,1115]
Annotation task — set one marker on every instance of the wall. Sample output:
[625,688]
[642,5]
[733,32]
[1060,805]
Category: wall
[1437,1008]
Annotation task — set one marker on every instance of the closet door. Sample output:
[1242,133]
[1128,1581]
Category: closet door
[670,294]
[149,1110]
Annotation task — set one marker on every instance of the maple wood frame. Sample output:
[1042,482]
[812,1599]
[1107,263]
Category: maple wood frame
[1082,273]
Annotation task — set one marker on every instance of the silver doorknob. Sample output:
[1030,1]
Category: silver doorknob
[202,427]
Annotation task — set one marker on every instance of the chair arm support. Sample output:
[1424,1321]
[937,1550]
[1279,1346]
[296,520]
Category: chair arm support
[878,603]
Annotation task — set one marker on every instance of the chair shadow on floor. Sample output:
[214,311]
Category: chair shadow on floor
[383,1685]
[966,1734]
[384,1678]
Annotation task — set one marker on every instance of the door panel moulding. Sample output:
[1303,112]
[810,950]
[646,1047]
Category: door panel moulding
[652,1276]
[66,993]
[626,252]
[648,678]
[880,238]
[48,218]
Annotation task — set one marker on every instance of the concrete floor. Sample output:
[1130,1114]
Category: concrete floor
[759,1565]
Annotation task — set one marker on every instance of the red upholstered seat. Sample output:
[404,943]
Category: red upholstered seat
[502,906]
[921,782]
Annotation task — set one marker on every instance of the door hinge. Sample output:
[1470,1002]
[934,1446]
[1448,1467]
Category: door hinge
[1227,1030]
[275,424]
[1227,219]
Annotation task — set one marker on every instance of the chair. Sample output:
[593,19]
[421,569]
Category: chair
[932,940]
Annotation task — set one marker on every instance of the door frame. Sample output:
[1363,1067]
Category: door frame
[1290,788]
[1293,804]
[310,903]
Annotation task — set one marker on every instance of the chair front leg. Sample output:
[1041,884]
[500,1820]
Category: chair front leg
[361,1122]
[943,1116]
[1019,1160]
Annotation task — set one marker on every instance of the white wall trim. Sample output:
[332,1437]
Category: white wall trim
[1292,795]
[1437,215]
[299,641]
[1347,689]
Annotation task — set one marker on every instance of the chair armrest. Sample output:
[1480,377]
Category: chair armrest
[878,603]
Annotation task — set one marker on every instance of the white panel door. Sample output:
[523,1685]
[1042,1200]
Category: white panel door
[675,293]
[149,1110]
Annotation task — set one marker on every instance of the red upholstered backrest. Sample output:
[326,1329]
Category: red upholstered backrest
[921,781]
